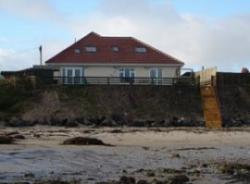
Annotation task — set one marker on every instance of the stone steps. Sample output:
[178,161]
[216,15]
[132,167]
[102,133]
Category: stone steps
[211,107]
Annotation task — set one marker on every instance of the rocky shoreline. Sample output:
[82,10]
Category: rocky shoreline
[118,121]
[102,121]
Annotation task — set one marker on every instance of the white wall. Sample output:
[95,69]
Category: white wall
[114,71]
[109,71]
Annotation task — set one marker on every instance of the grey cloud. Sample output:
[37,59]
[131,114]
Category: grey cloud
[32,9]
[197,41]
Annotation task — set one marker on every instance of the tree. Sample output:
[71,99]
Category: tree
[244,70]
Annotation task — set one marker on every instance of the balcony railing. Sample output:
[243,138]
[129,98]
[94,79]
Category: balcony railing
[123,81]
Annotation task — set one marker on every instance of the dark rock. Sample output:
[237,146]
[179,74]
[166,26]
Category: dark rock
[6,139]
[116,131]
[127,180]
[18,122]
[158,123]
[139,123]
[142,182]
[84,141]
[29,175]
[37,135]
[159,182]
[119,119]
[12,133]
[150,174]
[71,124]
[56,182]
[65,122]
[204,165]
[19,136]
[176,155]
[110,123]
[167,123]
[97,121]
[179,179]
[80,120]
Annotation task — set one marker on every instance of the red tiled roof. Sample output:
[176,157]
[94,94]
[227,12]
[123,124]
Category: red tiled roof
[105,55]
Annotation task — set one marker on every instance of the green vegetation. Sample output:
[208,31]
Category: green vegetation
[13,97]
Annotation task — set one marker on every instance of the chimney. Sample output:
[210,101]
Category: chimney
[41,54]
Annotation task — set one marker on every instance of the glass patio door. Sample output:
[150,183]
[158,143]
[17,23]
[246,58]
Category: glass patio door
[127,75]
[156,76]
[72,75]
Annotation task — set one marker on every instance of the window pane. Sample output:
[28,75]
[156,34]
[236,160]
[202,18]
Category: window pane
[90,49]
[140,49]
[115,49]
[153,73]
[160,73]
[69,76]
[77,51]
[127,73]
[77,76]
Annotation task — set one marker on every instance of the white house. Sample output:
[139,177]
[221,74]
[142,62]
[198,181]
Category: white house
[116,60]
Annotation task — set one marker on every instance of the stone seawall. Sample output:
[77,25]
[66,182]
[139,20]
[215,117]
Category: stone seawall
[113,105]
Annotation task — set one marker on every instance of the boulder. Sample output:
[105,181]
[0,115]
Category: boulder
[6,139]
[84,141]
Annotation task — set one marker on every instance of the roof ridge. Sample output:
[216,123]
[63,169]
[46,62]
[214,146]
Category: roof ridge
[118,37]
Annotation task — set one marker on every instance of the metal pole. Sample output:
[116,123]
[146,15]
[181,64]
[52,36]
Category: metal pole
[41,54]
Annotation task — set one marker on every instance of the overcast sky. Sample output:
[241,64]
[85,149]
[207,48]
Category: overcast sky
[198,32]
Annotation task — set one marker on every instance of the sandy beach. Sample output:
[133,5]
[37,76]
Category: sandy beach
[197,152]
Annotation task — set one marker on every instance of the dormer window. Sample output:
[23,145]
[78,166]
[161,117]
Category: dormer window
[140,50]
[90,49]
[115,49]
[77,51]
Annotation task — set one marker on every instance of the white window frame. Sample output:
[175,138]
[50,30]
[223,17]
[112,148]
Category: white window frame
[72,80]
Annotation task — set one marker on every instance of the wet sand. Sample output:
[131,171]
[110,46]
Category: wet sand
[41,156]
